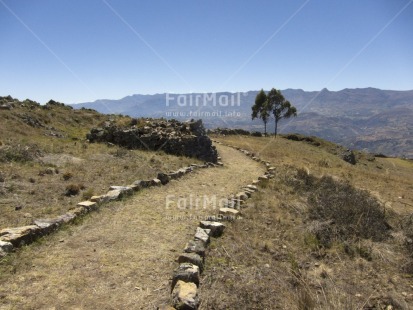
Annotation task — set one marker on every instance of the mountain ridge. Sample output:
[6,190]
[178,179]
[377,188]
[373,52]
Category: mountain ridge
[376,120]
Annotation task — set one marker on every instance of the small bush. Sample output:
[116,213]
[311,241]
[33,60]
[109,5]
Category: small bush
[19,153]
[338,211]
[134,122]
[72,190]
[345,213]
[67,176]
[256,134]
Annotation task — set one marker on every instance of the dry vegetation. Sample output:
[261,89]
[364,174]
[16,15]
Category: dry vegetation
[47,166]
[322,234]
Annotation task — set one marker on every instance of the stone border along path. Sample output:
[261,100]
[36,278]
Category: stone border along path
[186,277]
[11,238]
[118,259]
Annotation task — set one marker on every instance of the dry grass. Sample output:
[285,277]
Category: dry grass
[273,257]
[44,152]
[122,256]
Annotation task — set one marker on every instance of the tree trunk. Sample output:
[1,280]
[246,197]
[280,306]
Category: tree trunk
[276,125]
[265,129]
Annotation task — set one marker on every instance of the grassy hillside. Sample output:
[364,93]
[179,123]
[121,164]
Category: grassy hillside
[323,234]
[47,166]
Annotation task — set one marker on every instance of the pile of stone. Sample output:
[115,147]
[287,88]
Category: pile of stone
[171,136]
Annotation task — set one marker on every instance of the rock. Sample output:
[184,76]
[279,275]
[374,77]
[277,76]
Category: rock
[5,107]
[192,258]
[156,182]
[125,190]
[20,235]
[349,157]
[202,235]
[134,187]
[185,296]
[142,183]
[47,225]
[255,182]
[228,213]
[252,187]
[241,196]
[220,163]
[164,178]
[89,205]
[216,228]
[6,246]
[77,211]
[113,194]
[97,199]
[186,272]
[174,175]
[195,246]
[262,178]
[248,191]
[66,218]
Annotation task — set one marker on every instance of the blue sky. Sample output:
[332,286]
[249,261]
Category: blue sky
[83,50]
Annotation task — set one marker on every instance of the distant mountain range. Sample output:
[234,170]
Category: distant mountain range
[379,121]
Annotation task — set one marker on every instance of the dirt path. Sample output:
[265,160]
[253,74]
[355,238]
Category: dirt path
[122,256]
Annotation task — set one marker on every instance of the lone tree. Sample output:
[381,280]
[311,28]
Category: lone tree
[279,106]
[260,109]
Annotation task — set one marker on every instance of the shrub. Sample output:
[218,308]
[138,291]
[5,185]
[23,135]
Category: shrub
[72,190]
[338,211]
[67,176]
[134,122]
[256,134]
[19,153]
[345,213]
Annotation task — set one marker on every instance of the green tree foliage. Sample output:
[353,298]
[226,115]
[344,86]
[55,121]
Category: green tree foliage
[260,109]
[279,107]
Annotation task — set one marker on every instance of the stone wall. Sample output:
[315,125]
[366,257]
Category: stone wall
[15,237]
[170,136]
[186,277]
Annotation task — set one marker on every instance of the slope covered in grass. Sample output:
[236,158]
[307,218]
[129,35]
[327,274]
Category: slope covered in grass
[47,165]
[323,234]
